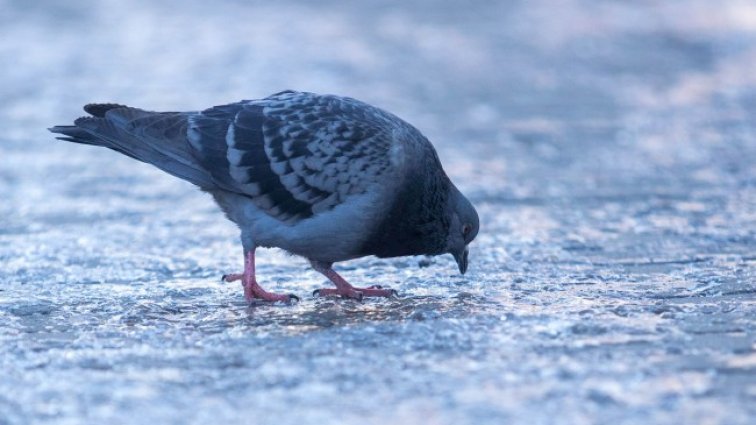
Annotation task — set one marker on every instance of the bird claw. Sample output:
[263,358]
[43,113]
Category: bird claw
[231,277]
[357,294]
[274,298]
[253,292]
[332,292]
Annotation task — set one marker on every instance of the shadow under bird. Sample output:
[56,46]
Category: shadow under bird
[325,177]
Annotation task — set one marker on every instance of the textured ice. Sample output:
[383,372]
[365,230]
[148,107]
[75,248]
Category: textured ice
[608,146]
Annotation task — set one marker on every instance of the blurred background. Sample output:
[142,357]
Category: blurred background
[609,147]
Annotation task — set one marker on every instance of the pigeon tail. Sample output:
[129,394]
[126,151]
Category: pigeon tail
[157,138]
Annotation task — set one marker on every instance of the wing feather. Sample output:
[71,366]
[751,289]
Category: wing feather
[295,154]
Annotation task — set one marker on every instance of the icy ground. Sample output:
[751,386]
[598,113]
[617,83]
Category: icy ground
[609,147]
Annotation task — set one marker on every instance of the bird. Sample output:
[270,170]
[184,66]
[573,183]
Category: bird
[325,177]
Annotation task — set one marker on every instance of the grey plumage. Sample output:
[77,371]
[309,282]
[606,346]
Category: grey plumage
[326,177]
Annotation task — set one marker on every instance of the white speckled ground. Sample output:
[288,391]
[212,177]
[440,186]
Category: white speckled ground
[608,146]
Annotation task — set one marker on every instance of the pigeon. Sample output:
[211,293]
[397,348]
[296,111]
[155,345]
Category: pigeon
[324,177]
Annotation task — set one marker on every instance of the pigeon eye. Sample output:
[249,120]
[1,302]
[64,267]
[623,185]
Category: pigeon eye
[466,228]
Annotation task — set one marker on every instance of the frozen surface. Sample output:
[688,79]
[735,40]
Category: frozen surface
[608,146]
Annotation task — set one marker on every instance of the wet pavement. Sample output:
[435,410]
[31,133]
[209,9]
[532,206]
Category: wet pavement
[609,148]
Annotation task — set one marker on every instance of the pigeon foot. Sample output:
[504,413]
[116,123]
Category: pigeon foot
[356,293]
[344,289]
[252,290]
[232,277]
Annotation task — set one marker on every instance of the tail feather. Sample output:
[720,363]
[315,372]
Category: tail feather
[76,134]
[157,138]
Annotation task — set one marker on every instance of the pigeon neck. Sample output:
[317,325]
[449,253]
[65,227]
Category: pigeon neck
[417,222]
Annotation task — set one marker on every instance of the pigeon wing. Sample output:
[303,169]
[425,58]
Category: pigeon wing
[297,154]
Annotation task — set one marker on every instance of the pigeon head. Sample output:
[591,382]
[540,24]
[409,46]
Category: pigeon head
[463,227]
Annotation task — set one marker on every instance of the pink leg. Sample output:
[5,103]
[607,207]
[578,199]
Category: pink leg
[252,289]
[344,289]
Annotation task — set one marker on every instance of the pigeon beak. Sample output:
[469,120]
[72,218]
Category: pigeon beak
[461,258]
